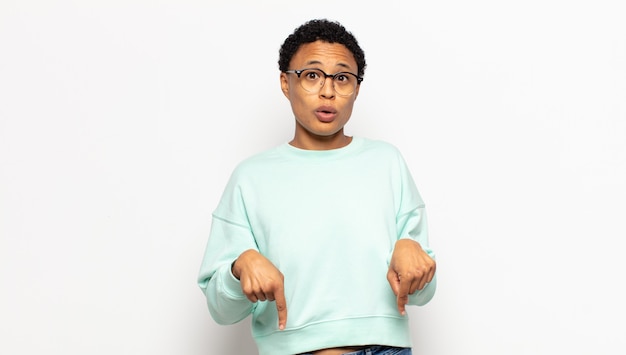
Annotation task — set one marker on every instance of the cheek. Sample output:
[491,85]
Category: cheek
[300,101]
[347,108]
[299,108]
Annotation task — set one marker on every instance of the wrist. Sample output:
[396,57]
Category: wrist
[232,269]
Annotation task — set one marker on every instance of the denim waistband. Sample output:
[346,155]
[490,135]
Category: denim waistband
[377,350]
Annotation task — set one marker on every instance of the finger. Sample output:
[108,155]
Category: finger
[257,291]
[420,280]
[252,298]
[431,274]
[402,302]
[281,307]
[428,276]
[247,290]
[415,285]
[261,296]
[392,278]
[427,272]
[403,294]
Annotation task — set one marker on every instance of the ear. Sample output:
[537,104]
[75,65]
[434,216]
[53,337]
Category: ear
[356,92]
[284,84]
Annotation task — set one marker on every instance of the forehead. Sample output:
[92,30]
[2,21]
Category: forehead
[324,55]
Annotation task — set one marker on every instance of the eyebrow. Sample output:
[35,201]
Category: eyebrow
[318,62]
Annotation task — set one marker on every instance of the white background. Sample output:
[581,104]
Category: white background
[120,122]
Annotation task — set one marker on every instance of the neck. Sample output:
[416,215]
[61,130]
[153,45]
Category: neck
[338,140]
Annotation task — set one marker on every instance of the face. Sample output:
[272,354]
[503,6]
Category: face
[320,116]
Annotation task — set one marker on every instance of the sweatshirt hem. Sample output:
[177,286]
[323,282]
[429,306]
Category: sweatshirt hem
[378,330]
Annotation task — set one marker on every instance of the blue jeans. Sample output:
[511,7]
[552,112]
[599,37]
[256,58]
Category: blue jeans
[380,350]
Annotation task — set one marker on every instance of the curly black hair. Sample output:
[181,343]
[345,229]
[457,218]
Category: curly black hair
[324,30]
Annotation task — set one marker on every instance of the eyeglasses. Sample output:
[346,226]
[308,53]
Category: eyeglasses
[312,80]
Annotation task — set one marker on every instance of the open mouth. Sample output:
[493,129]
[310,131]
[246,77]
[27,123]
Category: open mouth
[326,109]
[325,114]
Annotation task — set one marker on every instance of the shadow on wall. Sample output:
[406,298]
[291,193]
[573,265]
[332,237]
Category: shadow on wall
[239,338]
[229,340]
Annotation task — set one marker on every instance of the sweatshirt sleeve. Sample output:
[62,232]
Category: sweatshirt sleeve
[411,223]
[230,235]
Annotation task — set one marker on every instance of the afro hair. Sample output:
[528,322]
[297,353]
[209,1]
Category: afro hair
[320,30]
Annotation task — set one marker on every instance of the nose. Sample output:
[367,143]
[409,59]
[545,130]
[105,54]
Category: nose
[327,90]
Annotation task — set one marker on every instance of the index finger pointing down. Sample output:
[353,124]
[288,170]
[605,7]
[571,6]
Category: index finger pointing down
[281,307]
[403,294]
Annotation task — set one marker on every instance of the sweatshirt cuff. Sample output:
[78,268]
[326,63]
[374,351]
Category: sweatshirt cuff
[423,296]
[231,285]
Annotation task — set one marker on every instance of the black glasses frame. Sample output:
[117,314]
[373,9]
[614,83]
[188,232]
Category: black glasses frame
[299,72]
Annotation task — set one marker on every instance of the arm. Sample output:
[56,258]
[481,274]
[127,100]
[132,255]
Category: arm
[261,281]
[225,299]
[412,268]
[412,263]
[234,276]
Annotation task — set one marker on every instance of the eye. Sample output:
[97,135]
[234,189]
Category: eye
[342,78]
[311,75]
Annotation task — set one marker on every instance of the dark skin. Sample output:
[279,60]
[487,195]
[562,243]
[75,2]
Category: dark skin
[410,268]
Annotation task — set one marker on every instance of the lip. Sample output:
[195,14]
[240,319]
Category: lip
[326,113]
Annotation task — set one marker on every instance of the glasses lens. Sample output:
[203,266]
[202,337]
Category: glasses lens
[312,80]
[345,83]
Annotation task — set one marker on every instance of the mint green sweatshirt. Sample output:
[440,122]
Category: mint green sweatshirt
[328,220]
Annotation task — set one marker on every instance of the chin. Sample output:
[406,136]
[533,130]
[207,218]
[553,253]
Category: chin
[325,133]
